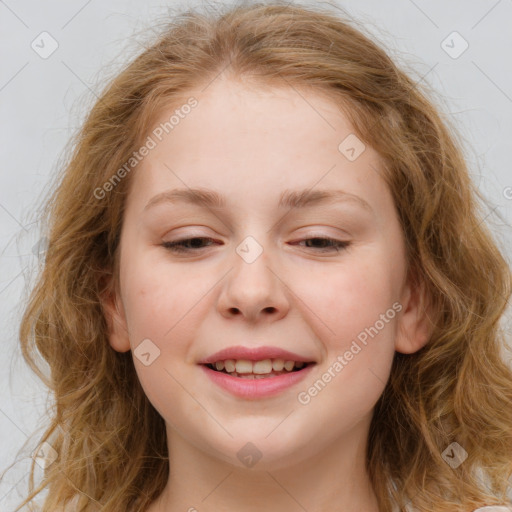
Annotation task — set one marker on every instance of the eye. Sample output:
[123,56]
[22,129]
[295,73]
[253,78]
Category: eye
[328,243]
[179,245]
[183,245]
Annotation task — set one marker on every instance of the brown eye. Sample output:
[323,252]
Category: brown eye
[327,243]
[184,246]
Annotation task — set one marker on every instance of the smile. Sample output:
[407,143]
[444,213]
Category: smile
[256,379]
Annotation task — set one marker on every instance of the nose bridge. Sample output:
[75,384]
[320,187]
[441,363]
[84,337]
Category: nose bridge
[252,262]
[253,286]
[254,247]
[251,250]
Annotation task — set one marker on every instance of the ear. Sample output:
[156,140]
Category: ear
[416,323]
[115,316]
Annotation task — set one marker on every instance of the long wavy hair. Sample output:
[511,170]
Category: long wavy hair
[110,441]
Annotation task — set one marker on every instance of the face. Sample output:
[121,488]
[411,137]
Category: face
[262,274]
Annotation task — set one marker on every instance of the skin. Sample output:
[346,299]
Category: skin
[249,144]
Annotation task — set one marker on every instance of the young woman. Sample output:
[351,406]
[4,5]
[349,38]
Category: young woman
[268,285]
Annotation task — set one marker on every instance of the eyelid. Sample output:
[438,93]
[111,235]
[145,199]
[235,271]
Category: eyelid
[334,245]
[183,232]
[306,231]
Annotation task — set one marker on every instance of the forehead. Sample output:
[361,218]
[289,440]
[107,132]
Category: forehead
[249,141]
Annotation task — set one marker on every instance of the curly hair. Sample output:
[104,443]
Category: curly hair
[111,442]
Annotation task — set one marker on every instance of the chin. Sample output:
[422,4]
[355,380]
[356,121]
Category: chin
[262,454]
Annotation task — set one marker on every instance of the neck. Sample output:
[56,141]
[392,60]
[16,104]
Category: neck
[332,479]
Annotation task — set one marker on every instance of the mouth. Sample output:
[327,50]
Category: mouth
[264,369]
[259,378]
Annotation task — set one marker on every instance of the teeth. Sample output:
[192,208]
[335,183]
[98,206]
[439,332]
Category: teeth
[261,367]
[288,365]
[257,369]
[277,365]
[229,365]
[243,366]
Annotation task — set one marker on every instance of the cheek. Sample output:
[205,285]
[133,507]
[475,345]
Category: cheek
[166,304]
[162,305]
[355,317]
[158,294]
[351,296]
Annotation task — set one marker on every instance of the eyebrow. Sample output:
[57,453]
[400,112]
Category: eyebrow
[289,198]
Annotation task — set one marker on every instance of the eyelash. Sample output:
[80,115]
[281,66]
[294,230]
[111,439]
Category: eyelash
[177,245]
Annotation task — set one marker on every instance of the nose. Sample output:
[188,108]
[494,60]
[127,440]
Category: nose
[255,288]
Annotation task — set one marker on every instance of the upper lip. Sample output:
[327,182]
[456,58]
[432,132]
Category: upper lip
[254,354]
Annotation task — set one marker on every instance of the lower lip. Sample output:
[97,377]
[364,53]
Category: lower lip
[256,388]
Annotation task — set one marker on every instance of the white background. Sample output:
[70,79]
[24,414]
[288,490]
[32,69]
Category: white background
[42,102]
